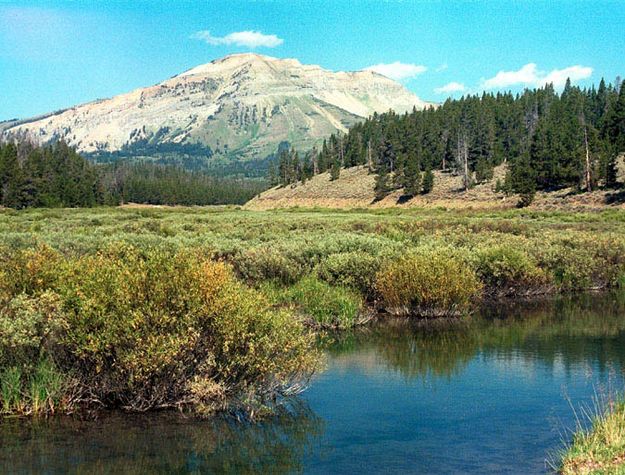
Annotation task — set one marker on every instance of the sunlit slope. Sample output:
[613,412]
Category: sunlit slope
[241,106]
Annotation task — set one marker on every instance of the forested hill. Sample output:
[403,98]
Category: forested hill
[57,176]
[547,140]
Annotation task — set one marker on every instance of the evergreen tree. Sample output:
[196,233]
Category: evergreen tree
[386,160]
[412,177]
[428,181]
[335,170]
[523,181]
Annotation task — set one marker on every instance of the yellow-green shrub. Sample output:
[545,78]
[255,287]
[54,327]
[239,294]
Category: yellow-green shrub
[428,281]
[152,328]
[583,262]
[351,269]
[505,269]
[29,326]
[267,263]
[28,271]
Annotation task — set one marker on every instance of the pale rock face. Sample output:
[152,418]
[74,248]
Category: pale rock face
[242,105]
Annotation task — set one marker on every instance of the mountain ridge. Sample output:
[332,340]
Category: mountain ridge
[240,106]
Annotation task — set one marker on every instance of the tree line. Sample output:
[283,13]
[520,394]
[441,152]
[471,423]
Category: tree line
[145,182]
[57,176]
[549,140]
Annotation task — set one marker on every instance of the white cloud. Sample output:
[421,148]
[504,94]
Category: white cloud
[530,76]
[442,67]
[250,39]
[398,70]
[559,76]
[450,88]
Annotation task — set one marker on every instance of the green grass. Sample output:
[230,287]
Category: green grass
[599,449]
[320,303]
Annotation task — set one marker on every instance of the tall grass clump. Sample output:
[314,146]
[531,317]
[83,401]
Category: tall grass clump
[29,382]
[428,282]
[319,303]
[600,448]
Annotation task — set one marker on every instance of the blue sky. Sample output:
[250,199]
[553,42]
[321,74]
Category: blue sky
[57,54]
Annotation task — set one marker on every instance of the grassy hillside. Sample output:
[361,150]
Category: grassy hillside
[355,189]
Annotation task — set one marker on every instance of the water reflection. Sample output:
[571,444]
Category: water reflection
[397,396]
[563,333]
[158,443]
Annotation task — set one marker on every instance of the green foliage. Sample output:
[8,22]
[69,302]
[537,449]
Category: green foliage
[11,390]
[382,186]
[354,269]
[328,306]
[550,140]
[268,263]
[428,181]
[522,179]
[54,176]
[505,269]
[28,327]
[28,271]
[428,281]
[150,328]
[411,176]
[483,170]
[129,303]
[38,390]
[151,183]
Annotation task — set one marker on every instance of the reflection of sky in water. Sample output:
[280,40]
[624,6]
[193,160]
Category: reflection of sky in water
[493,396]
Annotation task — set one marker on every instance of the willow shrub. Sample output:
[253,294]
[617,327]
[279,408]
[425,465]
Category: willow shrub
[154,328]
[356,270]
[267,263]
[27,271]
[506,270]
[583,262]
[428,282]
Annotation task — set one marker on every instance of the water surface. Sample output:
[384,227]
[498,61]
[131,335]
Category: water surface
[493,395]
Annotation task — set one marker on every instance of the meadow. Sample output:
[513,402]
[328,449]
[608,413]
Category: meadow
[218,308]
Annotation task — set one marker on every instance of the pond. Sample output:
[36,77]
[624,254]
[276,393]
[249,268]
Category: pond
[495,394]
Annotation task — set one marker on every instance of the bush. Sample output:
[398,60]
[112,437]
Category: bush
[150,329]
[146,329]
[428,281]
[29,326]
[267,263]
[28,271]
[584,262]
[506,270]
[356,270]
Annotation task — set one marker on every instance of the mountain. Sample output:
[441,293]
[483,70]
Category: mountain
[240,107]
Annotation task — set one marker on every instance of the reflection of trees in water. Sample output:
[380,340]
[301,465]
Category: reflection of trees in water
[159,443]
[567,331]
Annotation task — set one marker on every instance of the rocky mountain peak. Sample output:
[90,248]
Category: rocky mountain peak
[237,107]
